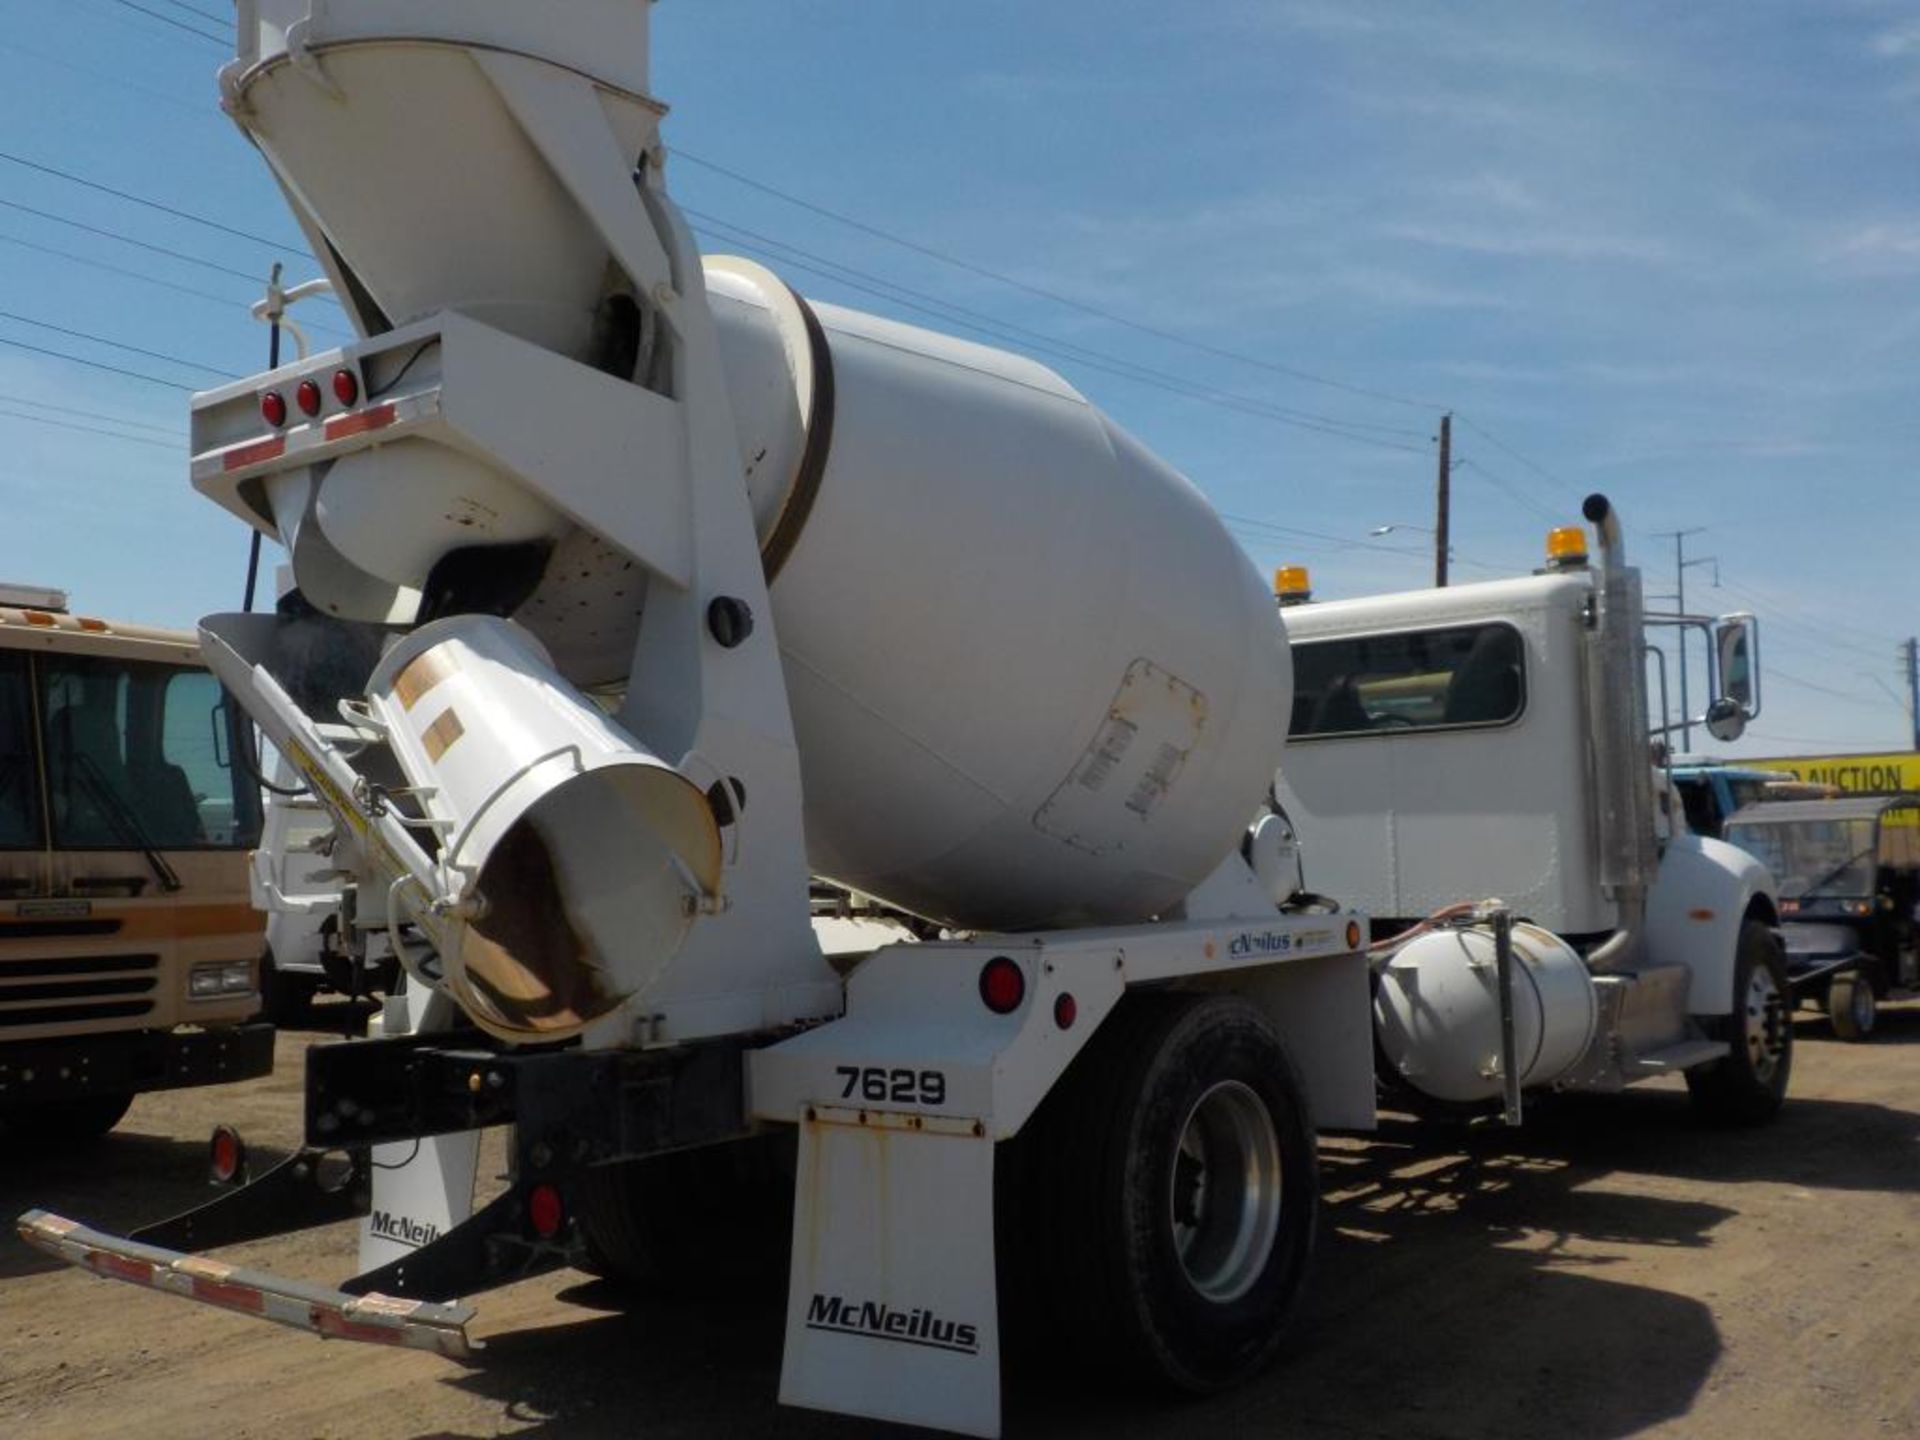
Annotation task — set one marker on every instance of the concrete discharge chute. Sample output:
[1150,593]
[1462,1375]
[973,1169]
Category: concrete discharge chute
[573,861]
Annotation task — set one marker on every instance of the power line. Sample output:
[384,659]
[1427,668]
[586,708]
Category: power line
[177,436]
[214,15]
[168,20]
[1844,696]
[1826,635]
[227,302]
[93,364]
[126,239]
[118,82]
[1004,332]
[1343,543]
[87,429]
[278,246]
[116,344]
[1493,478]
[949,310]
[1513,454]
[945,258]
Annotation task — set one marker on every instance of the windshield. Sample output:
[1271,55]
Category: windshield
[1815,858]
[126,755]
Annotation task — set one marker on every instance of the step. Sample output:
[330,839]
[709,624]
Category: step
[1684,1056]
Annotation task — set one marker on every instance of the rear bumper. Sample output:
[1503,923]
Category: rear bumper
[331,1314]
[132,1062]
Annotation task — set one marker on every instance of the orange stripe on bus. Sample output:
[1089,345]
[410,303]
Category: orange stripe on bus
[181,922]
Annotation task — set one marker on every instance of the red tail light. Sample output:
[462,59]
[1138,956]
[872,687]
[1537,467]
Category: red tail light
[346,386]
[308,394]
[1003,985]
[545,1212]
[273,408]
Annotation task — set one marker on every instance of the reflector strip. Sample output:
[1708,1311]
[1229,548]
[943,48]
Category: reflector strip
[331,1314]
[242,456]
[378,418]
[335,1326]
[120,1268]
[229,1297]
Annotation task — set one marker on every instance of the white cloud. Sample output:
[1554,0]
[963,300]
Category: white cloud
[1898,41]
[1544,242]
[1879,247]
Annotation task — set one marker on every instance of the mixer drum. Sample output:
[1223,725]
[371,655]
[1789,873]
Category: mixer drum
[1034,680]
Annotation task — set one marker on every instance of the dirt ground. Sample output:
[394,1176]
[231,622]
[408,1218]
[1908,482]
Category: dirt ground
[1612,1270]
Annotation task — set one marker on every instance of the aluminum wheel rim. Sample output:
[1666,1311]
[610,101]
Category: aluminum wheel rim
[1765,1025]
[1225,1191]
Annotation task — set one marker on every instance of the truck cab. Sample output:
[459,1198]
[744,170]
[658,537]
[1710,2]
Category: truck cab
[1712,791]
[1434,751]
[1451,745]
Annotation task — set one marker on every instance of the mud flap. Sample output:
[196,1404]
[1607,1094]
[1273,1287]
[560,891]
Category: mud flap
[421,1190]
[890,1305]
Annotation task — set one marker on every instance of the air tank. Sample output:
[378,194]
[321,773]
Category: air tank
[1034,681]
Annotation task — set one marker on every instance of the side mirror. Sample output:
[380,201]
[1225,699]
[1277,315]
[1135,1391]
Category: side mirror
[1736,644]
[1725,720]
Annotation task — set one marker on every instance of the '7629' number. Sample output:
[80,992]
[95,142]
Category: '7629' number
[878,1085]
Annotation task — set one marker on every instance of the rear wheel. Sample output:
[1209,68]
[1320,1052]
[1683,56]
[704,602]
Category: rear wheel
[57,1122]
[1852,1006]
[1167,1197]
[1749,1084]
[693,1219]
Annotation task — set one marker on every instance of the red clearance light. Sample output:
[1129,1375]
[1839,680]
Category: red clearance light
[1003,985]
[226,1155]
[309,397]
[346,386]
[1065,1011]
[273,408]
[544,1211]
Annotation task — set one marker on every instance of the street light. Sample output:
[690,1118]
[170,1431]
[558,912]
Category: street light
[1377,531]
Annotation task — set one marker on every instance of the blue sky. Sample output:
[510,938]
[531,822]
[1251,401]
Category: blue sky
[1666,252]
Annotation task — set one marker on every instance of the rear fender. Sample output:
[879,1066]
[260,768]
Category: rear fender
[1705,891]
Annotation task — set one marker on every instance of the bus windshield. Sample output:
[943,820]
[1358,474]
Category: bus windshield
[99,753]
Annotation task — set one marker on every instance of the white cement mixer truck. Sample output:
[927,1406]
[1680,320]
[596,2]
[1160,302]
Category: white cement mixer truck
[635,594]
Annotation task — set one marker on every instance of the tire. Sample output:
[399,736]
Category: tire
[64,1122]
[1749,1084]
[1852,1006]
[1161,1205]
[693,1220]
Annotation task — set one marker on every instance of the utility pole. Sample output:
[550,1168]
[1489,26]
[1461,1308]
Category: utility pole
[1446,488]
[1680,564]
[1912,647]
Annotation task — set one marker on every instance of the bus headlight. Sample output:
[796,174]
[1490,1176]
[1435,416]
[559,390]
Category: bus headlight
[211,981]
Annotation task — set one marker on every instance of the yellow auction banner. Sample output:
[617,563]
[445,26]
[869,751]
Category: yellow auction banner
[1851,774]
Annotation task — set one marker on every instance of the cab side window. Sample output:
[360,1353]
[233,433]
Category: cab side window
[1464,675]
